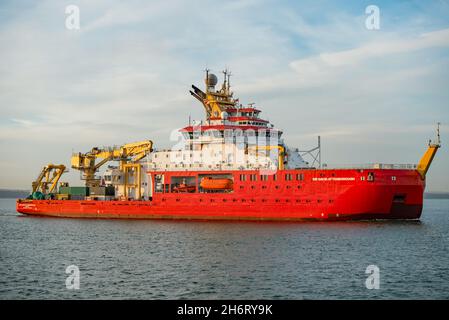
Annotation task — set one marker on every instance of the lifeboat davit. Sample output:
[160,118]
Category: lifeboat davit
[209,183]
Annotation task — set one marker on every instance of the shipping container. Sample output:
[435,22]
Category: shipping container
[78,191]
[102,191]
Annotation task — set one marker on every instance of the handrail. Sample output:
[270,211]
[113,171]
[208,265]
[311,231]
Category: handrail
[400,166]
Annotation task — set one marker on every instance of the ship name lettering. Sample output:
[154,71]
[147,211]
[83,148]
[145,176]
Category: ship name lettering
[334,179]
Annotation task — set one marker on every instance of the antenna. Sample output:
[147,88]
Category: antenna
[225,73]
[438,134]
[206,79]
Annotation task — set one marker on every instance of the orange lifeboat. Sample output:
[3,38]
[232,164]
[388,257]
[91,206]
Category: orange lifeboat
[182,188]
[209,183]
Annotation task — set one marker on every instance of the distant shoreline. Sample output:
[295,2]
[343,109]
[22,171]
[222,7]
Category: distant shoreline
[14,194]
[436,195]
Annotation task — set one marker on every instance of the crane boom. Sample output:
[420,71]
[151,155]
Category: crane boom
[427,158]
[86,162]
[48,178]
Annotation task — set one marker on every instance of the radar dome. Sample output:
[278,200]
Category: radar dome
[224,115]
[212,80]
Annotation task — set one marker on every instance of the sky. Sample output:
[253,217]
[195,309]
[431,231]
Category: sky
[313,67]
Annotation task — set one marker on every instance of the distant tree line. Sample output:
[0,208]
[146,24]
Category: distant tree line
[7,193]
[436,195]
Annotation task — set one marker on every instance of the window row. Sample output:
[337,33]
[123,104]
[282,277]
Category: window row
[264,177]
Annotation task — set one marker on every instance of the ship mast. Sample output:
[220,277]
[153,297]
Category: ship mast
[215,102]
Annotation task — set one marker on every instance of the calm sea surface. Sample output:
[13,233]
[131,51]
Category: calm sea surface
[223,260]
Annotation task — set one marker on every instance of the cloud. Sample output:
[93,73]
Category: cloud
[355,65]
[23,122]
[125,74]
[439,38]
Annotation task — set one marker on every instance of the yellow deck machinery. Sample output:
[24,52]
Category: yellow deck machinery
[427,158]
[128,156]
[47,180]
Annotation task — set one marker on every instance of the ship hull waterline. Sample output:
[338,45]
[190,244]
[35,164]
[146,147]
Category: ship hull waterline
[400,212]
[322,195]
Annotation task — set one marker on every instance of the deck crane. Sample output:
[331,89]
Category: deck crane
[427,158]
[48,179]
[128,156]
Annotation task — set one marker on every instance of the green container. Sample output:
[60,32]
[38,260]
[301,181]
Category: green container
[64,190]
[75,191]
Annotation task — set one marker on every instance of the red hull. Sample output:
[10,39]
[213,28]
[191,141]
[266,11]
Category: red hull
[293,195]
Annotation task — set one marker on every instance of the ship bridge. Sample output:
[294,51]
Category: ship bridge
[232,136]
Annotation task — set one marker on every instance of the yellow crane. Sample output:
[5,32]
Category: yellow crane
[48,179]
[127,155]
[427,158]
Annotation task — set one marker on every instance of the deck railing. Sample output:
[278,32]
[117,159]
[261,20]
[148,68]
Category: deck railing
[404,166]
